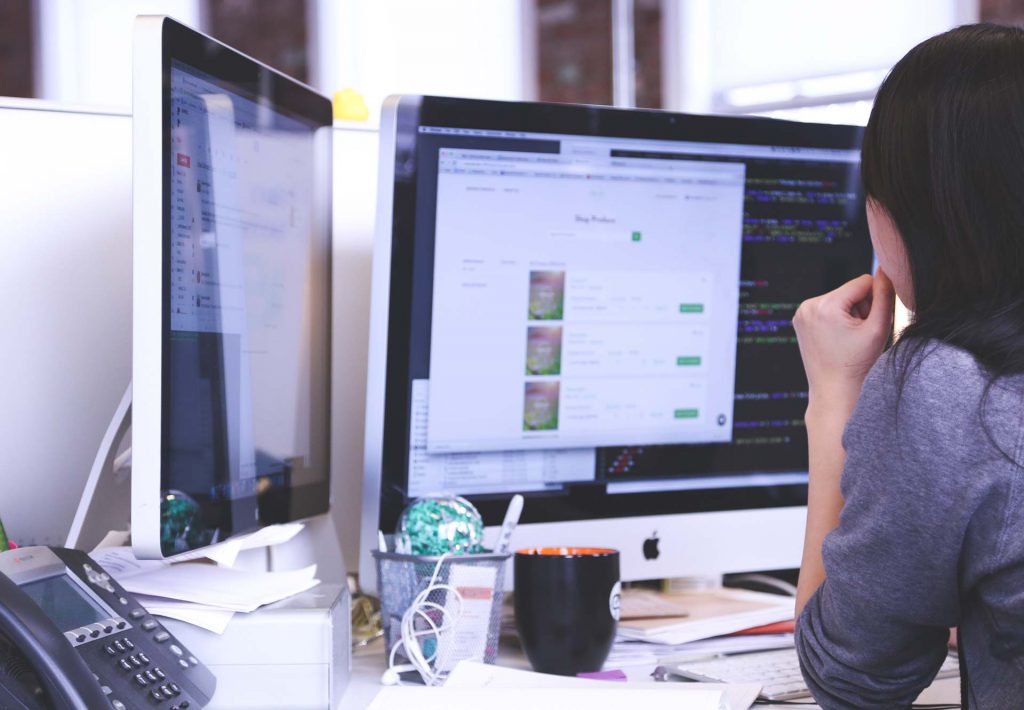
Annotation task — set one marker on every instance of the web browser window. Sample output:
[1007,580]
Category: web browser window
[583,299]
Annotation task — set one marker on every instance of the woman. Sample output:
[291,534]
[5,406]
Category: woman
[924,529]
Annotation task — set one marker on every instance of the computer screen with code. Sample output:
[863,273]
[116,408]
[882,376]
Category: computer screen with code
[618,311]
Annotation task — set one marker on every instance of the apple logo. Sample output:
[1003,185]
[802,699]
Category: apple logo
[651,547]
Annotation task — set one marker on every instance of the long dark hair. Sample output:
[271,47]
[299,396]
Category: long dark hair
[943,154]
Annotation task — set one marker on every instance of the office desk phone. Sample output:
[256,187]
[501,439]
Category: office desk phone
[72,637]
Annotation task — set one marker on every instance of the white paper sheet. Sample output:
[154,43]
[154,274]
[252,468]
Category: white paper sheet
[205,617]
[599,698]
[471,675]
[120,562]
[215,586]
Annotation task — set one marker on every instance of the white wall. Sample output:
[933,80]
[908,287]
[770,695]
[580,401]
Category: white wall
[468,48]
[355,203]
[782,39]
[65,306]
[713,45]
[85,48]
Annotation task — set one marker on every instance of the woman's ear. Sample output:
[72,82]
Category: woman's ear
[890,250]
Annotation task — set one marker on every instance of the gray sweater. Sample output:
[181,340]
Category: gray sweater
[931,537]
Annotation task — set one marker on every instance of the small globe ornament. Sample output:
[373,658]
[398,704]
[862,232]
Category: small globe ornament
[181,526]
[439,524]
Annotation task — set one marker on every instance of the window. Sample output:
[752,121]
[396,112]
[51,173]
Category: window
[647,50]
[599,51]
[574,51]
[276,33]
[17,65]
[1003,12]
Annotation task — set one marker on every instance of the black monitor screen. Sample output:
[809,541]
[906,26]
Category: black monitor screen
[593,307]
[246,324]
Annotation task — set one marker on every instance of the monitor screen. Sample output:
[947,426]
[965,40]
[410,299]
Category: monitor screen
[245,274]
[595,309]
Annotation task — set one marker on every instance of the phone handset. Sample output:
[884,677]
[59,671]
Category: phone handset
[63,676]
[78,639]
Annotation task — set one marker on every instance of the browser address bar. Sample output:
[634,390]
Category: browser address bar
[581,170]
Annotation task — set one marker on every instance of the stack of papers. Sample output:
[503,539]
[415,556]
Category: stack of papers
[707,614]
[657,628]
[627,653]
[204,594]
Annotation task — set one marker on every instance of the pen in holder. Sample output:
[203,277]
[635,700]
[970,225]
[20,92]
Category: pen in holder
[439,610]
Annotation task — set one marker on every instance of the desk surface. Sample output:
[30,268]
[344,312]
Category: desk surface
[368,664]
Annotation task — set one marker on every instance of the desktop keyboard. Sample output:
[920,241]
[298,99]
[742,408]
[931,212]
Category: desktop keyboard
[778,672]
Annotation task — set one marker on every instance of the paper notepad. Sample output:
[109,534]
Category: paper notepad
[474,685]
[648,604]
[658,698]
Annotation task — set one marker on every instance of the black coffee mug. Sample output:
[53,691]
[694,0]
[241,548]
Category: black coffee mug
[567,607]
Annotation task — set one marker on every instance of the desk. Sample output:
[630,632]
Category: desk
[368,664]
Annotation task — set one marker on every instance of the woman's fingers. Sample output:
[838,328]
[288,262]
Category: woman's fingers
[853,292]
[883,299]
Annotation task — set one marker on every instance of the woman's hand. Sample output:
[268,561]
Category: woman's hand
[841,334]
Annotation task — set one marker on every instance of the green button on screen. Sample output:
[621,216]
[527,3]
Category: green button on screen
[691,307]
[687,413]
[688,360]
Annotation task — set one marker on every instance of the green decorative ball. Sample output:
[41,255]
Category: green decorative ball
[438,524]
[181,526]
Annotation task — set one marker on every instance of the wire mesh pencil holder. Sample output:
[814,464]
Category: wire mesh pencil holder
[467,626]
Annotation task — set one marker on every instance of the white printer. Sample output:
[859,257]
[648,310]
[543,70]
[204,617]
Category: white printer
[294,654]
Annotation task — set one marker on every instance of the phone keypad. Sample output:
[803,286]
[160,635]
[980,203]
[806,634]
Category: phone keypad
[157,686]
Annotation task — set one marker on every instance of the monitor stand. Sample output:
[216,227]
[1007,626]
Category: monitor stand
[106,503]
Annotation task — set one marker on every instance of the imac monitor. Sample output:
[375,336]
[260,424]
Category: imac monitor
[592,307]
[231,284]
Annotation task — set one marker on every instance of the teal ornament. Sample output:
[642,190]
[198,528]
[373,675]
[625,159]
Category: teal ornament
[181,524]
[441,524]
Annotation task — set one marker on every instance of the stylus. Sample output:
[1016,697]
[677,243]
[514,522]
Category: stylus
[515,509]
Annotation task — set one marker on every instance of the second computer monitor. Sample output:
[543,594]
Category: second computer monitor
[231,293]
[593,307]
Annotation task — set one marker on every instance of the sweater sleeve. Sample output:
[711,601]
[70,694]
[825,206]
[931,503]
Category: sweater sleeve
[874,634]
